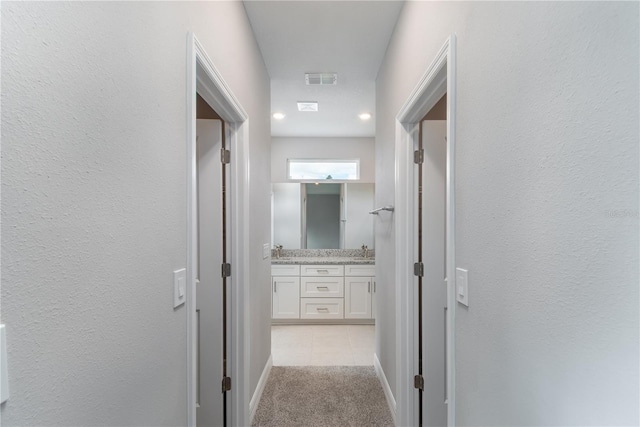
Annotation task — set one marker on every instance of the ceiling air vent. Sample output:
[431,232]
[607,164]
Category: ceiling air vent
[321,79]
[308,106]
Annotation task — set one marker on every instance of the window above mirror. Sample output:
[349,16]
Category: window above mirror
[323,169]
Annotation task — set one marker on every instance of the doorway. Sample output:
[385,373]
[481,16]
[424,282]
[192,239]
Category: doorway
[432,359]
[204,80]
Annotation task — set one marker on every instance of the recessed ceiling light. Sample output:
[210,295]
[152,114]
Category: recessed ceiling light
[308,106]
[278,116]
[364,116]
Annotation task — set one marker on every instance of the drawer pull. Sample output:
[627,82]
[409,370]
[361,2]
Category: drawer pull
[322,288]
[323,271]
[323,309]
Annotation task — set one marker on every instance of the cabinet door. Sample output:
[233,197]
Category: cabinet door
[374,294]
[357,297]
[285,293]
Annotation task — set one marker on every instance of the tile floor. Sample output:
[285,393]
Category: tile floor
[322,345]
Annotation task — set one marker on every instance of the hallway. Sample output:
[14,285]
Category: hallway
[98,243]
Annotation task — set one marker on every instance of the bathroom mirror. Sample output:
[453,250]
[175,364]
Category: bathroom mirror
[322,215]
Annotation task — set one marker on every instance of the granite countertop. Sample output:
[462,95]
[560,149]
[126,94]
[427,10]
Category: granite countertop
[322,260]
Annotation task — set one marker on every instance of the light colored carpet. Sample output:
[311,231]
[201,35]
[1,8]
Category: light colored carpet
[324,396]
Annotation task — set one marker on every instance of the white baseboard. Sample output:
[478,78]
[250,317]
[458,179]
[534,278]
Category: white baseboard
[255,400]
[385,386]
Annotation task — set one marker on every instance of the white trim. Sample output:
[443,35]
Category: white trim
[240,269]
[440,78]
[205,79]
[452,303]
[257,395]
[404,249]
[192,239]
[385,386]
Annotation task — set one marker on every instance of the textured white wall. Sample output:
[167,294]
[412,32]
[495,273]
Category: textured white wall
[547,147]
[283,148]
[94,203]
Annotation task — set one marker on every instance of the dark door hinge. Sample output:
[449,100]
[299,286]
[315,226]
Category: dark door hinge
[226,384]
[418,269]
[418,156]
[226,270]
[418,382]
[225,156]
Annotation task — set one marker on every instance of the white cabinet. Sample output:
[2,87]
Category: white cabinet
[322,291]
[285,291]
[357,297]
[359,288]
[326,291]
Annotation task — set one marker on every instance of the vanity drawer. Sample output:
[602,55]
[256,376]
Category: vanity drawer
[285,270]
[322,270]
[360,270]
[323,287]
[321,308]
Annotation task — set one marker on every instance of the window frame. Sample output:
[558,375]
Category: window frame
[314,160]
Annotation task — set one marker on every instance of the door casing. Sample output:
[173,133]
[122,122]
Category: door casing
[438,79]
[203,78]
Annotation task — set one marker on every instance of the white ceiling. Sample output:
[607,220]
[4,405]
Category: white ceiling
[347,37]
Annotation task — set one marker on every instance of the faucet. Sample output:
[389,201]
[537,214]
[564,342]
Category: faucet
[278,251]
[366,251]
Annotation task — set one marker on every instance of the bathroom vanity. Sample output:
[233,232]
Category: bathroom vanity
[323,286]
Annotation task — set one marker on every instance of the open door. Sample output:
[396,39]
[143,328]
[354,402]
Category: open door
[211,295]
[432,285]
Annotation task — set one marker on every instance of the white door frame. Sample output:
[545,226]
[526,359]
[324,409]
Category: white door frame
[206,80]
[440,78]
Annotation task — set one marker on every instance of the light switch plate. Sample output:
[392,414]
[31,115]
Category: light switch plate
[266,251]
[179,287]
[462,286]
